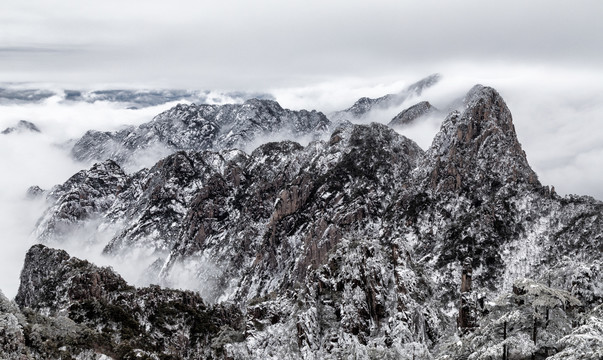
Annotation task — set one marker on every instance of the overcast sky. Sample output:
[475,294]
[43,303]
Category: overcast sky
[239,44]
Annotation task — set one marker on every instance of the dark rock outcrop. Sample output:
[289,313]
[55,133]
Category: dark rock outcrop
[408,116]
[478,147]
[82,197]
[12,337]
[92,310]
[34,192]
[51,281]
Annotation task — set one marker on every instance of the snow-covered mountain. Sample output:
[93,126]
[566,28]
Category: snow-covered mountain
[201,127]
[408,116]
[22,126]
[358,246]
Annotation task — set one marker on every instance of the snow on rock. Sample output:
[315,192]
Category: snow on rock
[198,128]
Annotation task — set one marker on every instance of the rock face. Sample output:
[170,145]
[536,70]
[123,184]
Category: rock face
[51,280]
[80,198]
[477,147]
[361,245]
[22,126]
[408,116]
[92,311]
[198,128]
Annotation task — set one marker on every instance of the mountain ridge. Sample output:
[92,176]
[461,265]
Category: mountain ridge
[199,127]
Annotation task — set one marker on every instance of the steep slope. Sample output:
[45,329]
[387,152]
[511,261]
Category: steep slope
[80,199]
[189,202]
[199,127]
[293,207]
[12,337]
[408,116]
[476,199]
[477,145]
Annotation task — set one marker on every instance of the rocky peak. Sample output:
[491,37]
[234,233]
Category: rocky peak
[83,195]
[77,309]
[51,280]
[163,194]
[409,115]
[294,207]
[478,146]
[265,103]
[201,127]
[362,106]
[107,174]
[22,126]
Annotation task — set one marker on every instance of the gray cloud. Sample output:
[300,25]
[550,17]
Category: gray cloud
[31,49]
[243,45]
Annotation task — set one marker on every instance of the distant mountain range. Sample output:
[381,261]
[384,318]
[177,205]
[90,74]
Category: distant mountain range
[128,97]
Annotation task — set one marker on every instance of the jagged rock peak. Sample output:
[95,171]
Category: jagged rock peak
[478,145]
[264,102]
[90,312]
[487,104]
[424,83]
[22,126]
[201,127]
[409,115]
[34,192]
[102,178]
[85,193]
[51,280]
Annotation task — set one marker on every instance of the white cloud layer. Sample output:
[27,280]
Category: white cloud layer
[251,45]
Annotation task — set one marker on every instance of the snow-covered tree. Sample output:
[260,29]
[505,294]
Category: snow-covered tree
[519,325]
